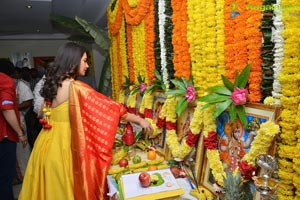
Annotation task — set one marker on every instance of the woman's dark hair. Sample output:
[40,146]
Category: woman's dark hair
[7,67]
[66,65]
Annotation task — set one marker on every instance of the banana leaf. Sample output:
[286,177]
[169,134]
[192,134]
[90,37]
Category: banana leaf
[100,38]
[68,23]
[105,78]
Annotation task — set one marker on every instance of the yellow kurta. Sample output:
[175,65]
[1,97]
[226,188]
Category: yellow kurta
[49,174]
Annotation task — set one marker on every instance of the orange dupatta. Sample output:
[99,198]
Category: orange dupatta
[94,120]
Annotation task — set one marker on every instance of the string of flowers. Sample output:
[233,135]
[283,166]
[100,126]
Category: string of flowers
[289,78]
[135,11]
[168,33]
[123,51]
[114,66]
[253,37]
[183,94]
[197,42]
[278,52]
[114,15]
[220,37]
[181,59]
[161,28]
[149,46]
[130,52]
[138,49]
[209,35]
[157,48]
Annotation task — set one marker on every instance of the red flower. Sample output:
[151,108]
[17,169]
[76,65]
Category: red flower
[247,171]
[211,141]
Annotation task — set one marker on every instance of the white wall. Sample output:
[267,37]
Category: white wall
[40,48]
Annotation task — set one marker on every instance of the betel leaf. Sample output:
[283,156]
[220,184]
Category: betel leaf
[227,83]
[179,84]
[181,106]
[240,110]
[213,98]
[157,75]
[207,105]
[232,112]
[175,92]
[243,77]
[220,107]
[220,90]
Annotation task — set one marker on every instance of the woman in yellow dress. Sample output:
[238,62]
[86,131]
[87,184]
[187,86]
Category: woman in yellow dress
[72,153]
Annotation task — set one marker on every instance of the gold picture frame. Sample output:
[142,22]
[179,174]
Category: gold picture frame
[258,113]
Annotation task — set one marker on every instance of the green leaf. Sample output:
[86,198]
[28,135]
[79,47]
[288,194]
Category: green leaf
[220,90]
[207,105]
[240,109]
[236,79]
[135,90]
[157,75]
[181,106]
[232,113]
[214,98]
[227,83]
[220,107]
[179,84]
[243,77]
[99,36]
[175,92]
[185,82]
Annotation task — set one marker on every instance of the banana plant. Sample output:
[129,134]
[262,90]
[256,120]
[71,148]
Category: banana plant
[87,32]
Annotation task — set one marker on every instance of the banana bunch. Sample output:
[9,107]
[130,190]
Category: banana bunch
[142,144]
[118,142]
[118,155]
[117,170]
[137,165]
[157,161]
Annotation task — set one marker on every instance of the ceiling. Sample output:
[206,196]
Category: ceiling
[19,22]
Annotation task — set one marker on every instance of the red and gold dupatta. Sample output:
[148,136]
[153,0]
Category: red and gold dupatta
[94,121]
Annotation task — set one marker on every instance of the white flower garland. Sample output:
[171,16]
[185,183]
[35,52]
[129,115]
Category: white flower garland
[161,27]
[278,52]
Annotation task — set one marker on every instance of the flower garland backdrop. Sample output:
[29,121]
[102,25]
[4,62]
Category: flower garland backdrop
[222,37]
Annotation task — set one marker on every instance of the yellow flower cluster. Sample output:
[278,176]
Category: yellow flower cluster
[138,50]
[197,121]
[290,81]
[123,51]
[131,100]
[263,141]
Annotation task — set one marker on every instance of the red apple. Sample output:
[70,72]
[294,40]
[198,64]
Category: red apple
[123,162]
[145,179]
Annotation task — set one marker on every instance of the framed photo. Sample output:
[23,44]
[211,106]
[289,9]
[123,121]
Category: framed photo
[234,140]
[160,140]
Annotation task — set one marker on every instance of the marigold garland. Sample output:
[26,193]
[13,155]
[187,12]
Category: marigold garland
[149,39]
[181,57]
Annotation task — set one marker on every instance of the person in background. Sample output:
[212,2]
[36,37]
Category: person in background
[10,129]
[72,154]
[34,78]
[24,99]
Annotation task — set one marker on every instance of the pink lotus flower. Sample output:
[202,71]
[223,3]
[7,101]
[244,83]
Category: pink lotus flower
[143,87]
[190,94]
[239,96]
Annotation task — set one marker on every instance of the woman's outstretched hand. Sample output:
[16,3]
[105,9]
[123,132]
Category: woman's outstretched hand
[146,126]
